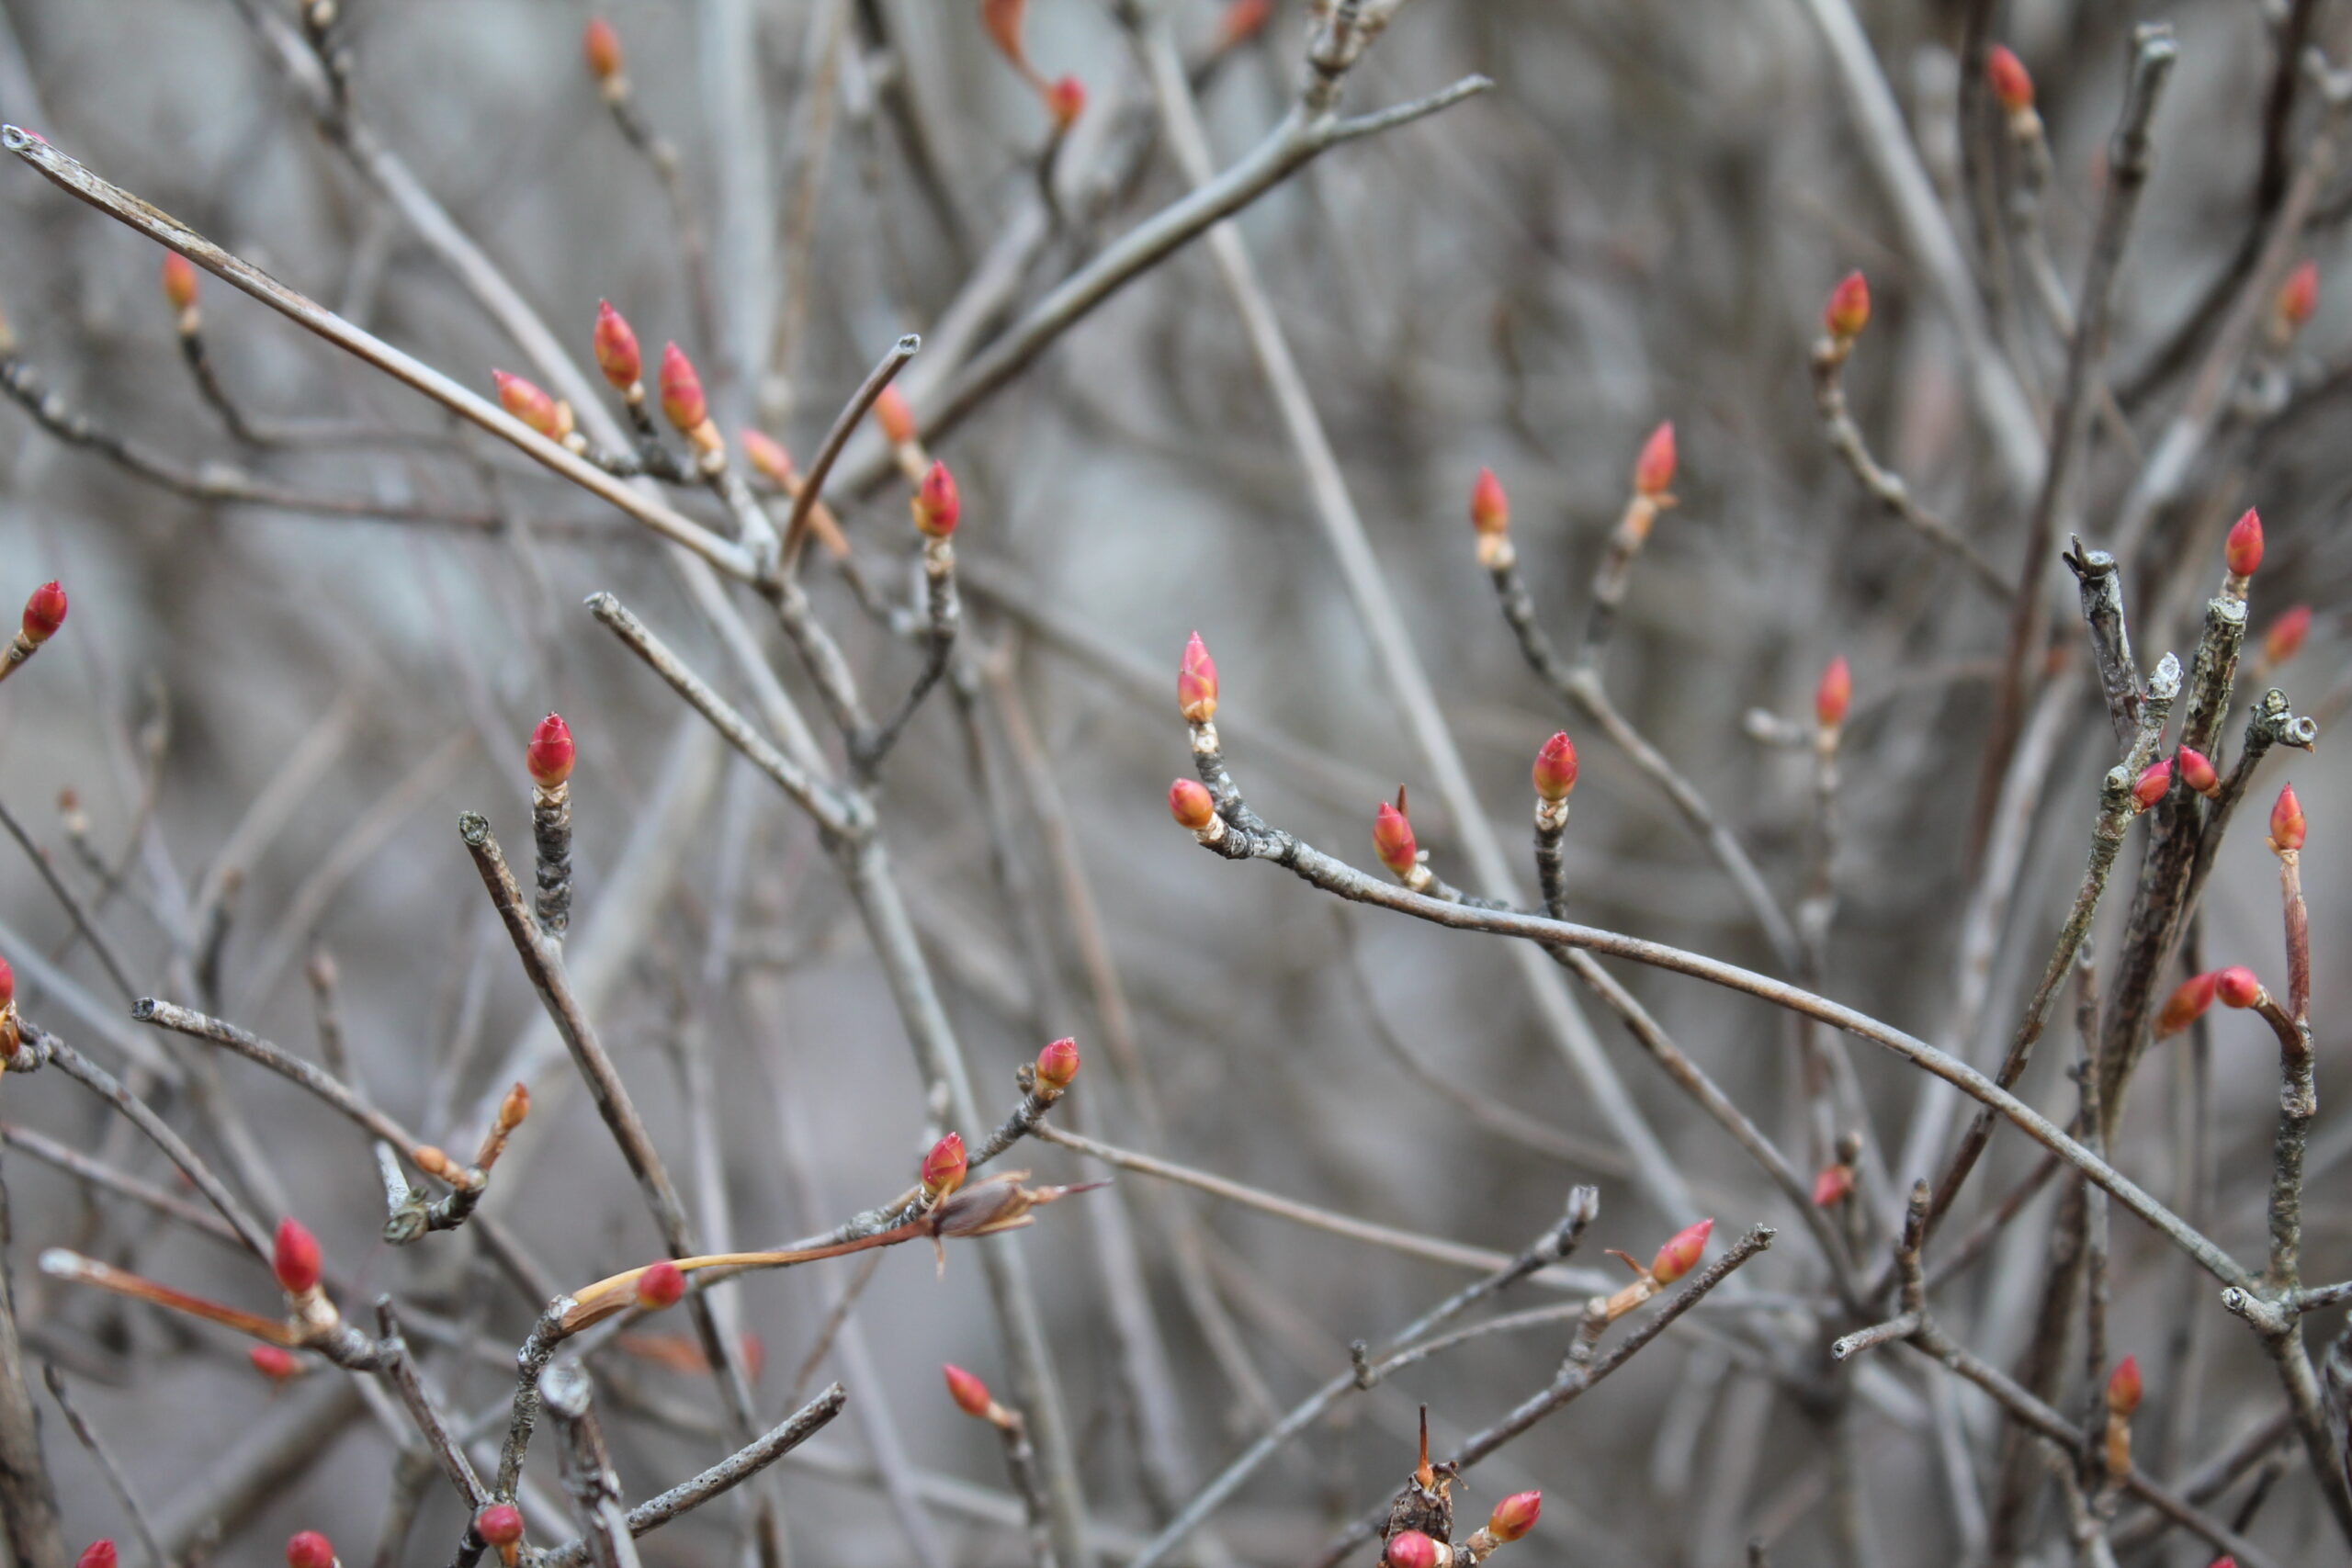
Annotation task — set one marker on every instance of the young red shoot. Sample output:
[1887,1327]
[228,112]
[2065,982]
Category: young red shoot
[681,399]
[99,1553]
[2298,297]
[768,458]
[2012,87]
[601,46]
[896,418]
[1065,100]
[531,404]
[501,1525]
[1411,1548]
[2123,1387]
[1832,1186]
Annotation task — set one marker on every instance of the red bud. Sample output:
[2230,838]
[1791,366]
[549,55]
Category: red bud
[1392,839]
[937,505]
[2243,550]
[2187,1004]
[943,1167]
[681,401]
[1196,683]
[1833,696]
[1682,1253]
[1489,507]
[1555,768]
[7,985]
[274,1362]
[2012,87]
[99,1553]
[1849,308]
[896,420]
[550,753]
[528,403]
[970,1395]
[295,1259]
[1410,1549]
[2198,771]
[767,457]
[1654,469]
[2299,295]
[2153,780]
[2123,1387]
[616,352]
[2286,822]
[179,280]
[308,1550]
[1058,1064]
[1242,21]
[500,1524]
[1515,1516]
[2237,988]
[1191,804]
[661,1285]
[44,612]
[2285,637]
[1832,1185]
[602,47]
[1065,101]
[1002,19]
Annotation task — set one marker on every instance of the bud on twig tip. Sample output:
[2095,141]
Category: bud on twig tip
[295,1257]
[2236,987]
[1392,838]
[500,1524]
[2243,549]
[681,399]
[1191,804]
[99,1553]
[1411,1548]
[616,351]
[179,280]
[1849,311]
[1833,695]
[2299,295]
[529,403]
[1682,1253]
[1196,683]
[601,46]
[2187,1004]
[1555,768]
[44,613]
[970,1395]
[895,418]
[1654,469]
[2285,637]
[1489,505]
[2197,772]
[2123,1387]
[2012,87]
[309,1549]
[943,1167]
[1515,1516]
[1065,101]
[274,1362]
[2149,786]
[937,504]
[1057,1064]
[1832,1186]
[550,754]
[2286,822]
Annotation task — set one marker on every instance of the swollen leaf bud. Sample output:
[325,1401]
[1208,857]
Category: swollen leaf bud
[1654,469]
[1392,839]
[2299,295]
[1065,101]
[274,1362]
[970,1395]
[2149,786]
[99,1553]
[1833,695]
[309,1549]
[682,400]
[1489,507]
[1242,21]
[1682,1253]
[1411,1548]
[2243,549]
[1832,1185]
[500,1524]
[1515,1516]
[1555,768]
[529,403]
[44,613]
[2187,1004]
[1191,804]
[2237,988]
[660,1286]
[602,48]
[7,985]
[895,418]
[1057,1064]
[2197,772]
[2285,821]
[936,503]
[550,754]
[2012,87]
[179,280]
[943,1167]
[767,457]
[2285,637]
[616,351]
[295,1257]
[1849,308]
[2123,1387]
[1196,683]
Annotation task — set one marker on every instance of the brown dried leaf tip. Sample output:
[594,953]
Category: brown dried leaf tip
[1425,1505]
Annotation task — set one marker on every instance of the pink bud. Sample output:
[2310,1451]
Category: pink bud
[1654,469]
[309,1549]
[1242,21]
[179,280]
[1833,696]
[1058,1064]
[1191,804]
[1849,308]
[550,753]
[1410,1549]
[2237,988]
[2299,295]
[99,1553]
[1196,683]
[274,1362]
[896,420]
[2243,549]
[295,1259]
[660,1285]
[1392,839]
[943,1167]
[1832,1185]
[44,613]
[937,505]
[2285,637]
[500,1524]
[602,47]
[616,352]
[682,400]
[767,457]
[2198,772]
[1002,19]
[2012,87]
[7,985]
[1489,507]
[1515,1516]
[1555,768]
[2153,780]
[2187,1004]
[528,403]
[970,1395]
[1065,101]
[2123,1387]
[2285,821]
[1682,1253]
